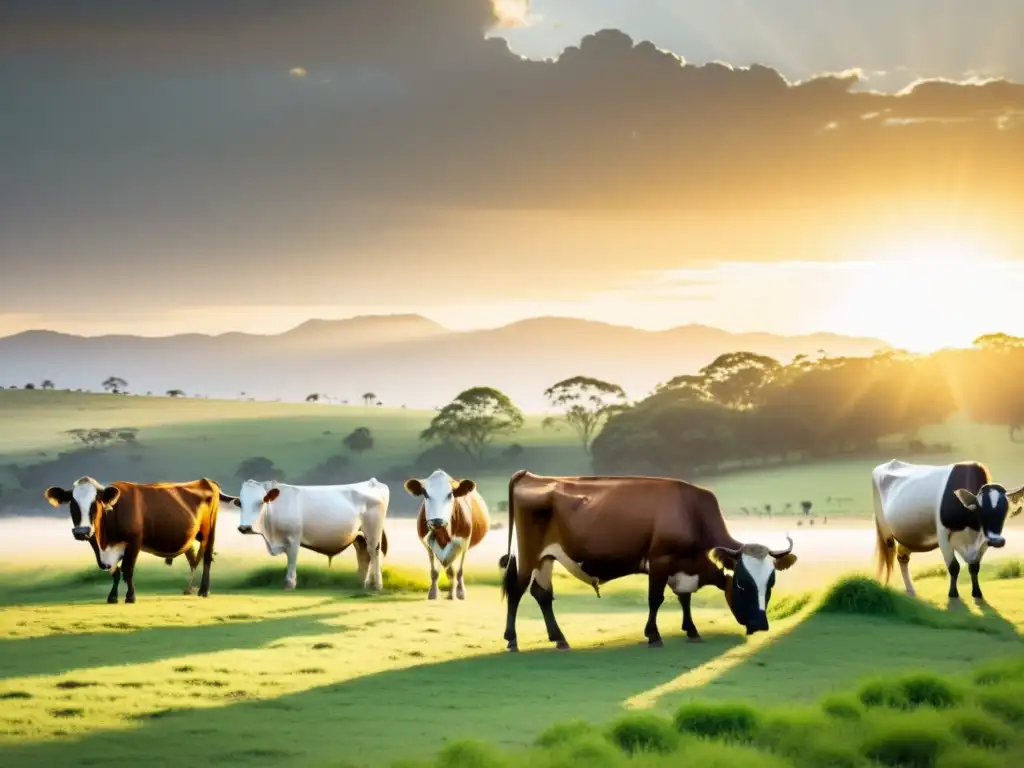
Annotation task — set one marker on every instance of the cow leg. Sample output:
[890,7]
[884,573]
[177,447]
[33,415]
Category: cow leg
[193,562]
[542,592]
[207,551]
[460,583]
[974,569]
[688,626]
[116,579]
[450,571]
[131,554]
[290,575]
[375,577]
[434,573]
[515,588]
[362,558]
[656,582]
[903,558]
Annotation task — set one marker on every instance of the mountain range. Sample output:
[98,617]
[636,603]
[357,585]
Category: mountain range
[403,359]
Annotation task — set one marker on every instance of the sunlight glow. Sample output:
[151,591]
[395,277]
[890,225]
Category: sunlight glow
[513,13]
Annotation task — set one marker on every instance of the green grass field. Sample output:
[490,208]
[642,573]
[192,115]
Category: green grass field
[252,676]
[185,439]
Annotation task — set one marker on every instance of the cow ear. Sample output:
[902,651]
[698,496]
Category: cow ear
[785,562]
[967,498]
[237,502]
[57,496]
[110,495]
[1016,501]
[414,486]
[272,494]
[464,488]
[724,558]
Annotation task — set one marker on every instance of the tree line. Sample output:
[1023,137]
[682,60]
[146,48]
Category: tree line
[748,409]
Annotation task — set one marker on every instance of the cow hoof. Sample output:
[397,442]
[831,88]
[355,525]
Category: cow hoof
[656,643]
[513,647]
[694,639]
[433,593]
[129,599]
[112,600]
[954,596]
[561,645]
[288,587]
[203,594]
[979,599]
[189,591]
[449,596]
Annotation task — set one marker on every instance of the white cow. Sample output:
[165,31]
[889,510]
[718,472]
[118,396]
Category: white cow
[322,518]
[955,507]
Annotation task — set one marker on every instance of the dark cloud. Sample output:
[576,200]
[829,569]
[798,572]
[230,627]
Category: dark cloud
[184,118]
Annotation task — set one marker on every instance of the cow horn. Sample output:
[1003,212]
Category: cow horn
[782,552]
[734,552]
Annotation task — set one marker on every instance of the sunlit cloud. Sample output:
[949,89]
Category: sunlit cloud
[298,72]
[514,14]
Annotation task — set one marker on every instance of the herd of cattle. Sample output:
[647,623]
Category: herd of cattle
[597,528]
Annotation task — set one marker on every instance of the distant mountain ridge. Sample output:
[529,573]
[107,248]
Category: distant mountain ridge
[403,359]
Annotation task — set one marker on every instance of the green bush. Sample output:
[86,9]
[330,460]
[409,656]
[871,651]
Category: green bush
[643,732]
[592,751]
[472,754]
[562,733]
[1005,702]
[981,730]
[922,689]
[737,722]
[809,738]
[1009,569]
[842,707]
[912,740]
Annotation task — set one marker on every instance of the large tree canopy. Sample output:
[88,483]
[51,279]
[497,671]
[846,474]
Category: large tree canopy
[473,420]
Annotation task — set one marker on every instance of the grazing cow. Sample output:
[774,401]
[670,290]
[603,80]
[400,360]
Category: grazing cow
[326,519]
[453,518]
[955,507]
[122,519]
[604,528]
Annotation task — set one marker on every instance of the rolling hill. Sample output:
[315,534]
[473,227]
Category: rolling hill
[403,359]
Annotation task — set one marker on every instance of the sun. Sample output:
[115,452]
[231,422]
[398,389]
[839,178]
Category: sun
[918,293]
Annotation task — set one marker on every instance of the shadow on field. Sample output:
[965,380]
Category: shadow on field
[506,698]
[56,654]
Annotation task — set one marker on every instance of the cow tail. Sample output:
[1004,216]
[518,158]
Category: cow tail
[885,551]
[507,562]
[384,542]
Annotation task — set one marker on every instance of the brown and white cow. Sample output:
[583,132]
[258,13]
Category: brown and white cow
[604,528]
[122,519]
[452,520]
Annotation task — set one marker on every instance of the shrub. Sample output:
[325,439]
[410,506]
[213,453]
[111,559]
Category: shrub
[472,754]
[911,691]
[1009,569]
[643,732]
[738,722]
[562,733]
[809,738]
[842,707]
[1000,671]
[1005,702]
[907,741]
[591,751]
[981,730]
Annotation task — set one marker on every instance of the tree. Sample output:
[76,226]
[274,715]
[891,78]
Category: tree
[586,403]
[30,385]
[359,439]
[736,379]
[47,384]
[175,393]
[312,398]
[115,385]
[473,420]
[369,398]
[258,468]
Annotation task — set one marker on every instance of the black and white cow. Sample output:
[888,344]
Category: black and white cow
[955,507]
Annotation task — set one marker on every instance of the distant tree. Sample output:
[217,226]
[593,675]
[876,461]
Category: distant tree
[30,385]
[175,393]
[359,440]
[47,384]
[473,420]
[735,379]
[369,398]
[115,385]
[312,398]
[513,451]
[585,404]
[258,468]
[806,506]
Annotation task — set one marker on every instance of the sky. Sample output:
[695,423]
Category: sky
[215,165]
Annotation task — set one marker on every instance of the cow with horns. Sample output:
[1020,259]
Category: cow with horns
[604,528]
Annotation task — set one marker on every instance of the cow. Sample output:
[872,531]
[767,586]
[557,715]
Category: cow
[452,519]
[955,507]
[122,519]
[604,528]
[326,519]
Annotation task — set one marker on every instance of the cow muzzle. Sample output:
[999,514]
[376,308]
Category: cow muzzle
[435,522]
[758,624]
[81,532]
[245,529]
[994,540]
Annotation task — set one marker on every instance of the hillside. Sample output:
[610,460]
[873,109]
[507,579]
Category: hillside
[403,359]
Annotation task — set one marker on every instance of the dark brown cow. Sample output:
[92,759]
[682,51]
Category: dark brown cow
[122,519]
[453,519]
[604,528]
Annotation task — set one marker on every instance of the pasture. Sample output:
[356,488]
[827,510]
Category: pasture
[326,675]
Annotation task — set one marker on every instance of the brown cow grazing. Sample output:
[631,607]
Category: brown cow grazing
[122,519]
[604,528]
[452,520]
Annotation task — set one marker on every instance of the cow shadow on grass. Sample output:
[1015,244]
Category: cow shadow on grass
[59,653]
[504,698]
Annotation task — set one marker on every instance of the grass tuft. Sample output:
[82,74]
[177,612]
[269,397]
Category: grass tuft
[731,721]
[921,689]
[913,740]
[643,732]
[563,733]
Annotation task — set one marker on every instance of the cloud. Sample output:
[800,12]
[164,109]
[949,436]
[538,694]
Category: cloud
[414,107]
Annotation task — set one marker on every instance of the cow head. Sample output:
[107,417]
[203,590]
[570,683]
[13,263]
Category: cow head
[252,501]
[439,492]
[749,588]
[87,499]
[989,508]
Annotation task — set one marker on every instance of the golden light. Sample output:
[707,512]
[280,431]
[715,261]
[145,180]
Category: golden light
[512,13]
